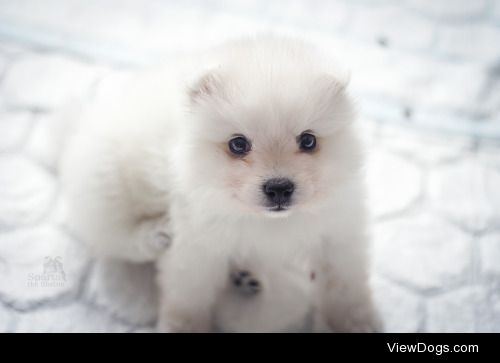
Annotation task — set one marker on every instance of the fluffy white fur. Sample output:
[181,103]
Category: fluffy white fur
[149,167]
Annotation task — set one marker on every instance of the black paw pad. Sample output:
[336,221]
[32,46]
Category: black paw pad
[245,283]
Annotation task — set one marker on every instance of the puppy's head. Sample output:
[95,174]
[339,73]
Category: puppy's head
[272,129]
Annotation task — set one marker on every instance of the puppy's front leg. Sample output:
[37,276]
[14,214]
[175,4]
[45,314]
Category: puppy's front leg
[345,300]
[190,280]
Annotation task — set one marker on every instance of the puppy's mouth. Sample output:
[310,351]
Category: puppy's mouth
[278,208]
[277,212]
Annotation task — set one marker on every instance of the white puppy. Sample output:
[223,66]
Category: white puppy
[244,159]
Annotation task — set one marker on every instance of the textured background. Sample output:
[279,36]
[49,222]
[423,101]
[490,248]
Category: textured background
[427,78]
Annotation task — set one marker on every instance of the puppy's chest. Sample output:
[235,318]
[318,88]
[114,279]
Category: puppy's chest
[281,240]
[273,249]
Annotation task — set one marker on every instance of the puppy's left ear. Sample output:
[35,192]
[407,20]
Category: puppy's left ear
[344,78]
[331,100]
[208,86]
[332,85]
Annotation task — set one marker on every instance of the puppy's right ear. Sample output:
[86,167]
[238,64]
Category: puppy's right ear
[208,86]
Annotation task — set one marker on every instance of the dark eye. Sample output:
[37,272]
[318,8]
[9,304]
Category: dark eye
[307,142]
[239,145]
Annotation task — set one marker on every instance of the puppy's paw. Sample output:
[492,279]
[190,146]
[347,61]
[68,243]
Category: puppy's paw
[371,324]
[160,240]
[170,322]
[156,236]
[170,326]
[357,320]
[245,283]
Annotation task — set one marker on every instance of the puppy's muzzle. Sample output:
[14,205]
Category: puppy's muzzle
[278,192]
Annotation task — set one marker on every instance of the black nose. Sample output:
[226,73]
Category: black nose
[278,191]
